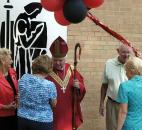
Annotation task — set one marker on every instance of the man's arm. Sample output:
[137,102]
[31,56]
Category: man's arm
[102,98]
[122,115]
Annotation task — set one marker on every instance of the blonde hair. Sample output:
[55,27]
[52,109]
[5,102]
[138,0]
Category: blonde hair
[134,63]
[4,52]
[42,64]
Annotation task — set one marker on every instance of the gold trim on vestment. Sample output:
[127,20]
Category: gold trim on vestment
[63,83]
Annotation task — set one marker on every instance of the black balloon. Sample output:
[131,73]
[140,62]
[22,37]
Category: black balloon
[74,10]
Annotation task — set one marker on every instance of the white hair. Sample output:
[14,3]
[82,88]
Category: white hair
[134,63]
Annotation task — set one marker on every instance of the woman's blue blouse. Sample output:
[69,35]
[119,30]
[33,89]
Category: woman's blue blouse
[34,96]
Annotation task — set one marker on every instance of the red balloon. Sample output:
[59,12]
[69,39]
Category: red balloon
[93,3]
[52,5]
[59,17]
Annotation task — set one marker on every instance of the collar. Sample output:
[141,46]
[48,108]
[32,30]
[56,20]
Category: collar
[117,62]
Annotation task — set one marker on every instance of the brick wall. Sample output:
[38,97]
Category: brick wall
[122,16]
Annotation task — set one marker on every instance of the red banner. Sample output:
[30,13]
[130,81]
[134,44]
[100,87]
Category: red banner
[114,34]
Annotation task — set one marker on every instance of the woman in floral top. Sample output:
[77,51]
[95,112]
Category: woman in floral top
[37,97]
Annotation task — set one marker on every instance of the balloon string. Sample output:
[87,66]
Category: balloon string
[114,34]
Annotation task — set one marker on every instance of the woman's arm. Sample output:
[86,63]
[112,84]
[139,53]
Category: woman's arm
[12,105]
[122,115]
[53,103]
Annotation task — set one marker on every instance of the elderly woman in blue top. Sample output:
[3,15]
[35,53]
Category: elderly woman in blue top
[37,97]
[130,97]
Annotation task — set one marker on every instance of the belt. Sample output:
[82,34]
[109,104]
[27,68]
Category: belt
[112,100]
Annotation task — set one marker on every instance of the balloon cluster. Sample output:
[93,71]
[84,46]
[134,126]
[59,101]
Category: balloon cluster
[70,11]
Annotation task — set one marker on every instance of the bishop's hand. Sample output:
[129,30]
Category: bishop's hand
[76,84]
